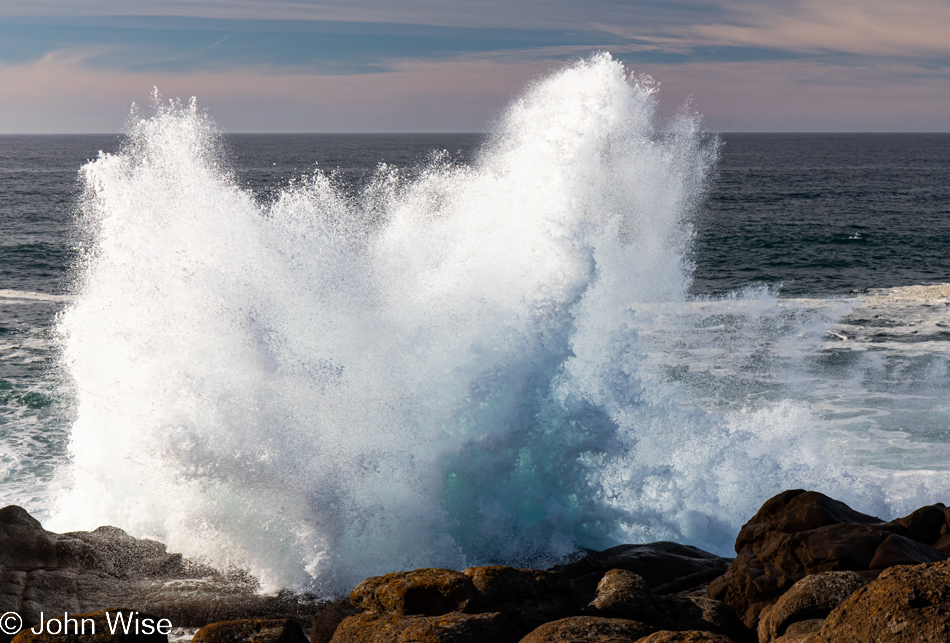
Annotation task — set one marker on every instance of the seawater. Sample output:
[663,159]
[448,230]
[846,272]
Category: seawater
[574,332]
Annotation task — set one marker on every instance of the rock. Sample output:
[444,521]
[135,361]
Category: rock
[813,597]
[106,626]
[85,572]
[455,628]
[428,591]
[528,597]
[897,550]
[798,533]
[666,567]
[905,603]
[251,631]
[589,628]
[689,636]
[623,594]
[694,613]
[926,524]
[802,632]
[329,617]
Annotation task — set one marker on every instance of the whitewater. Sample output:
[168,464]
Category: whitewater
[493,362]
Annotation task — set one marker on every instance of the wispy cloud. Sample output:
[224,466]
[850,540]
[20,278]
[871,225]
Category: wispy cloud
[869,27]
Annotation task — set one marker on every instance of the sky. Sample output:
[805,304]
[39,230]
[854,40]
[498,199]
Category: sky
[77,66]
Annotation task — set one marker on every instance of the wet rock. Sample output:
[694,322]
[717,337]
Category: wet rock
[813,597]
[455,628]
[325,622]
[798,533]
[106,626]
[251,631]
[589,628]
[528,597]
[905,603]
[666,567]
[690,636]
[624,594]
[427,591]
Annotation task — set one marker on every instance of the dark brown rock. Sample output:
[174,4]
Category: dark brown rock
[447,628]
[529,597]
[695,613]
[798,533]
[428,592]
[813,597]
[624,594]
[925,524]
[905,603]
[692,636]
[251,631]
[595,629]
[666,567]
[898,550]
[329,617]
[96,628]
[802,632]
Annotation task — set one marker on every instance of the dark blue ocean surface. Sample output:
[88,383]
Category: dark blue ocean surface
[826,213]
[813,214]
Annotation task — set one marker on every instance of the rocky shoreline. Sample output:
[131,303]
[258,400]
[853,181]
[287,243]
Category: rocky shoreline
[808,569]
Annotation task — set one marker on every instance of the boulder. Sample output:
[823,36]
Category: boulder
[905,603]
[251,631]
[107,626]
[798,533]
[428,592]
[624,594]
[528,597]
[813,597]
[589,628]
[85,572]
[689,636]
[325,622]
[802,632]
[666,567]
[695,613]
[455,628]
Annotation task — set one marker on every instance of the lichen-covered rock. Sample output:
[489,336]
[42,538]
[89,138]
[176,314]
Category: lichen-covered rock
[427,591]
[446,628]
[798,533]
[594,629]
[904,604]
[813,597]
[624,594]
[106,626]
[251,631]
[325,622]
[689,636]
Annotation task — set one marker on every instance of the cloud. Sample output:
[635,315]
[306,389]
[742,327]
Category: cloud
[61,94]
[919,28]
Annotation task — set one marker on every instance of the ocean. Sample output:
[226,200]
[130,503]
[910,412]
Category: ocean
[320,357]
